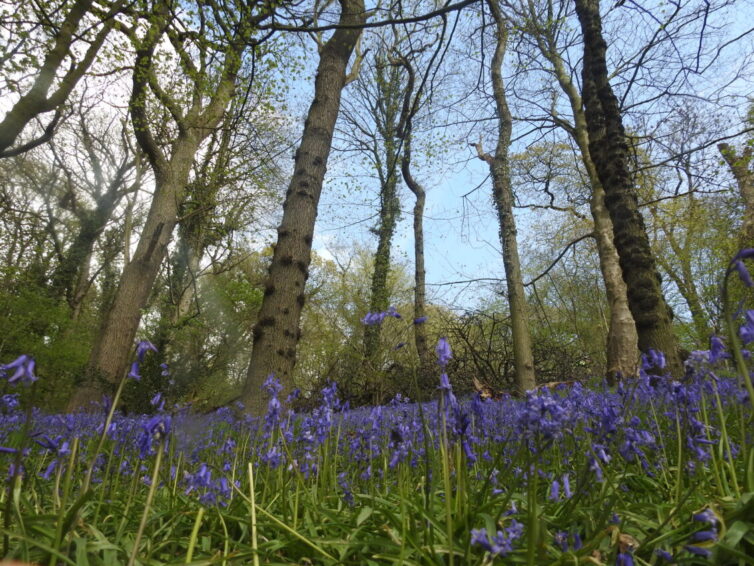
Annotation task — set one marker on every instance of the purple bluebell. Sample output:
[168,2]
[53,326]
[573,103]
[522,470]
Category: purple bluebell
[444,354]
[501,543]
[698,550]
[134,372]
[653,360]
[567,486]
[554,491]
[420,320]
[743,273]
[746,332]
[23,367]
[624,559]
[664,554]
[707,516]
[717,350]
[142,348]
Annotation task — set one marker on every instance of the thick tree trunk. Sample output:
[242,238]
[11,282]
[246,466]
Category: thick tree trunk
[114,344]
[622,340]
[276,333]
[609,152]
[502,193]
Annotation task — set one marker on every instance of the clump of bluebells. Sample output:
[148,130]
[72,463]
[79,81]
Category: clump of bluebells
[651,471]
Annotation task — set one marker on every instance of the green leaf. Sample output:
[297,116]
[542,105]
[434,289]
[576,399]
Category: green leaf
[364,514]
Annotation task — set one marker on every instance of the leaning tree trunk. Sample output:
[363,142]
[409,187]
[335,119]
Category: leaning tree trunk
[276,333]
[114,344]
[502,191]
[622,340]
[38,99]
[609,151]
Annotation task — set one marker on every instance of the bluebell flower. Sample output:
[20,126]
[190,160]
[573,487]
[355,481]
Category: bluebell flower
[653,359]
[743,273]
[704,536]
[699,551]
[624,559]
[134,372]
[716,350]
[502,543]
[746,332]
[664,554]
[707,516]
[143,347]
[420,320]
[561,539]
[24,370]
[444,353]
[554,491]
[567,486]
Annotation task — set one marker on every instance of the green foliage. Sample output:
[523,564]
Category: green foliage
[33,322]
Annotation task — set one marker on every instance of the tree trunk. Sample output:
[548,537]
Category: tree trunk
[425,377]
[36,101]
[114,343]
[113,346]
[502,193]
[66,279]
[609,152]
[276,333]
[741,167]
[388,95]
[622,340]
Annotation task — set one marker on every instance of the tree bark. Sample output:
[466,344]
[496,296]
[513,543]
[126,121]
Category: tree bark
[609,151]
[37,101]
[277,332]
[113,346]
[502,193]
[743,172]
[622,340]
[68,279]
[425,375]
[388,96]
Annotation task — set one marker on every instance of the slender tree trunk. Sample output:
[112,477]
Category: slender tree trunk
[622,340]
[66,278]
[609,152]
[389,96]
[743,172]
[425,372]
[423,350]
[277,332]
[503,198]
